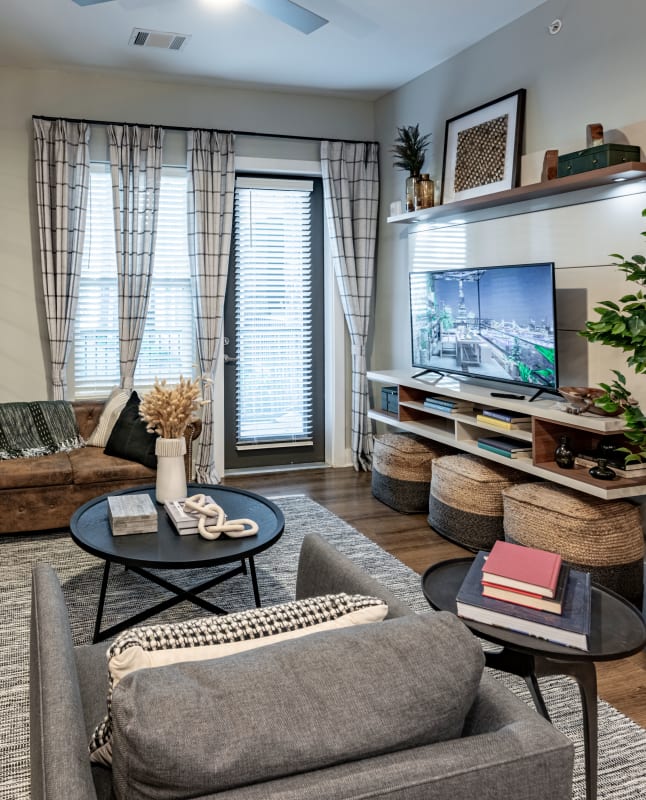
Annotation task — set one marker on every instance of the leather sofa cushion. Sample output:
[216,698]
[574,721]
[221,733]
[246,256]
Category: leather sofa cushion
[198,728]
[50,470]
[91,465]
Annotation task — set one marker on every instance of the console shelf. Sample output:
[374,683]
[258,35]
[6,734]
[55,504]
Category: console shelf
[598,184]
[461,430]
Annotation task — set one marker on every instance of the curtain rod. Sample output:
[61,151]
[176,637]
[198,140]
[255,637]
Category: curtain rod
[211,130]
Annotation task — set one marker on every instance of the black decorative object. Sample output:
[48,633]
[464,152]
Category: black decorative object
[564,455]
[602,471]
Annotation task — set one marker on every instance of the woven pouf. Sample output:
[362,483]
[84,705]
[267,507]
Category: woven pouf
[465,501]
[603,537]
[401,470]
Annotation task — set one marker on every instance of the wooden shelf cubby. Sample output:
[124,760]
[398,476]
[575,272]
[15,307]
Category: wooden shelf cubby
[461,430]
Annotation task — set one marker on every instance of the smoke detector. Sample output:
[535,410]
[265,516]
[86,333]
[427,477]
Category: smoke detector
[166,41]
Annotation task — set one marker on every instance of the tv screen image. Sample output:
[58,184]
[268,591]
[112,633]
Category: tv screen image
[492,322]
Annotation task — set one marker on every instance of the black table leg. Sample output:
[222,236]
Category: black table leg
[99,611]
[254,581]
[585,674]
[521,664]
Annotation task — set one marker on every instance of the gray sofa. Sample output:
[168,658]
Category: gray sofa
[504,746]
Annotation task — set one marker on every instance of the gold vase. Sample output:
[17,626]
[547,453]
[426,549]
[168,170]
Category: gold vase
[424,192]
[411,184]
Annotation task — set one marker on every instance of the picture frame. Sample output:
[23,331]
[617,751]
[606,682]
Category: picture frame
[494,130]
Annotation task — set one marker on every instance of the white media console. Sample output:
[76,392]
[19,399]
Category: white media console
[549,421]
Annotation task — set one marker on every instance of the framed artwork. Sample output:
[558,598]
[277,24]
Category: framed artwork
[482,149]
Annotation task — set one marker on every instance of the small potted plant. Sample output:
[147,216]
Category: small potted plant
[623,325]
[410,151]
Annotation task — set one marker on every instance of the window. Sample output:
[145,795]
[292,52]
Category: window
[167,350]
[273,312]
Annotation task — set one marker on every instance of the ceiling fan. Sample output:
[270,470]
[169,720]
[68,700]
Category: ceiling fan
[285,10]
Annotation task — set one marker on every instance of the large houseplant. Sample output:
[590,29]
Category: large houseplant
[623,325]
[410,151]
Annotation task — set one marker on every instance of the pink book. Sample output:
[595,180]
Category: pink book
[523,568]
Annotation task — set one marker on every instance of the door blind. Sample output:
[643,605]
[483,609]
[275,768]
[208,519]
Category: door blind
[273,313]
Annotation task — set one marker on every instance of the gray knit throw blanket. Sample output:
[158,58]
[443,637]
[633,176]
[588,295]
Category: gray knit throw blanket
[37,429]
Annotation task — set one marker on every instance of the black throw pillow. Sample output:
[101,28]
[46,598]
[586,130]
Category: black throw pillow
[130,439]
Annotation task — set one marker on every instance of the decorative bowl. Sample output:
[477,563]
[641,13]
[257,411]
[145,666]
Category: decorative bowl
[582,398]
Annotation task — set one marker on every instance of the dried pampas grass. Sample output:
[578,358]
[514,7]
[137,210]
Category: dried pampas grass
[167,410]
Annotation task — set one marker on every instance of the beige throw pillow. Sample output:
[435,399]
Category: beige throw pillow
[113,407]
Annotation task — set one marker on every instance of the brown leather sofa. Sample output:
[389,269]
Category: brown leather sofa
[42,493]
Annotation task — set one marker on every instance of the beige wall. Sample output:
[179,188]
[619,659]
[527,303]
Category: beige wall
[590,72]
[120,98]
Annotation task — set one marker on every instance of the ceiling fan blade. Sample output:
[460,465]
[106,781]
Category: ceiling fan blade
[288,12]
[90,2]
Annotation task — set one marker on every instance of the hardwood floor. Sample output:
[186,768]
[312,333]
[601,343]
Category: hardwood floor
[408,537]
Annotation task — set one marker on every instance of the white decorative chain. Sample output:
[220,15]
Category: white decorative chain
[213,521]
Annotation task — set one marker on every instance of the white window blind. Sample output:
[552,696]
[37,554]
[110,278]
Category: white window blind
[273,268]
[167,349]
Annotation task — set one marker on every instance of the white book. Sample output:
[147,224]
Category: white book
[185,521]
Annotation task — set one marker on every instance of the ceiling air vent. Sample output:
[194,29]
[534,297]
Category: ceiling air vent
[166,41]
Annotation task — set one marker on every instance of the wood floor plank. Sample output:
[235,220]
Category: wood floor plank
[409,538]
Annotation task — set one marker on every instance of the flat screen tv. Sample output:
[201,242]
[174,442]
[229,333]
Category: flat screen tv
[494,323]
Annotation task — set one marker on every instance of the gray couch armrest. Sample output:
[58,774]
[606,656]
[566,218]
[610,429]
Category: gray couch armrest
[323,570]
[60,767]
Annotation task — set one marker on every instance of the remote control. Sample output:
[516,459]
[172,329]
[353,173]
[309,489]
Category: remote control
[508,395]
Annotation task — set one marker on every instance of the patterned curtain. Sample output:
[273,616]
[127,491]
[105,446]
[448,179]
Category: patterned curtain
[351,193]
[62,168]
[135,164]
[211,182]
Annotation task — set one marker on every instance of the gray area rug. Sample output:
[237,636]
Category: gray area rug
[622,743]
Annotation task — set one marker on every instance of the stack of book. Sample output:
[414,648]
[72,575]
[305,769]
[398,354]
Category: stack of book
[529,591]
[505,446]
[184,520]
[131,513]
[449,405]
[623,468]
[501,418]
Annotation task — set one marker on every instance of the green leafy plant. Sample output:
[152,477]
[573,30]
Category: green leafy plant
[623,325]
[410,148]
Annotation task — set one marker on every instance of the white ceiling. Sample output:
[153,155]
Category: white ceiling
[368,48]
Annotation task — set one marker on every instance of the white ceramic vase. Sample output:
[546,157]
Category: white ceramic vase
[171,474]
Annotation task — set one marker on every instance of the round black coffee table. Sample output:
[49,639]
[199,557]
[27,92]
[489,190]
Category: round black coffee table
[167,550]
[617,631]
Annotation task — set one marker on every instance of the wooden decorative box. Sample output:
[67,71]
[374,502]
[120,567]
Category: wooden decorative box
[603,155]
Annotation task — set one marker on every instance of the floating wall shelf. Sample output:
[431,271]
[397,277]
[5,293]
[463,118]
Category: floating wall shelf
[600,184]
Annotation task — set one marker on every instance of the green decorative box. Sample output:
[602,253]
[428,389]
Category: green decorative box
[603,155]
[389,399]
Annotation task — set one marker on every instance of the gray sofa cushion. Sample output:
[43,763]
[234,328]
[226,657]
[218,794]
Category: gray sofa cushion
[292,707]
[205,638]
